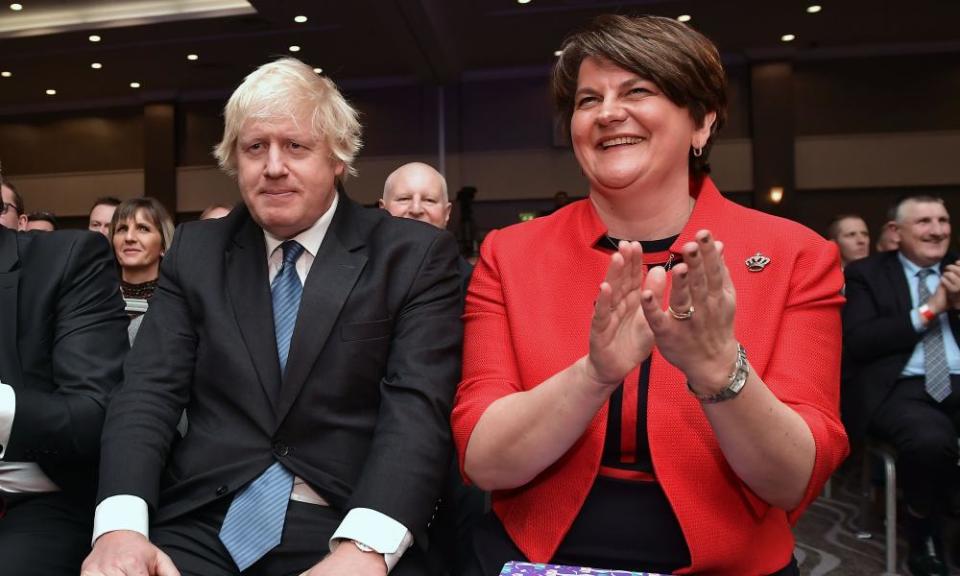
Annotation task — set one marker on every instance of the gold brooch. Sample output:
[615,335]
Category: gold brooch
[757,262]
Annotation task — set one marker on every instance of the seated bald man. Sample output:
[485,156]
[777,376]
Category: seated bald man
[418,192]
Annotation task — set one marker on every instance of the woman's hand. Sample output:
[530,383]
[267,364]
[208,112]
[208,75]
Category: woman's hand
[620,338]
[702,345]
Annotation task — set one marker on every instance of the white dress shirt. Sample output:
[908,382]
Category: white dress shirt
[17,476]
[369,527]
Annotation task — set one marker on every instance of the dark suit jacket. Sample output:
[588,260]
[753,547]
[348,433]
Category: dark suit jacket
[364,407]
[879,337]
[62,344]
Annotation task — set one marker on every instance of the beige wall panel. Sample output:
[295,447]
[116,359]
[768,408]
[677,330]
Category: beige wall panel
[72,193]
[877,160]
[200,186]
[731,164]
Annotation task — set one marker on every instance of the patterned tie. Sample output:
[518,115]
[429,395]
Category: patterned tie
[254,522]
[934,354]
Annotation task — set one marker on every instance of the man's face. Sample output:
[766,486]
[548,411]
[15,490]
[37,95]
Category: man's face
[853,239]
[417,193]
[100,218]
[286,174]
[924,231]
[10,218]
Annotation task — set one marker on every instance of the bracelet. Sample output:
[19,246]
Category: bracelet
[737,380]
[926,313]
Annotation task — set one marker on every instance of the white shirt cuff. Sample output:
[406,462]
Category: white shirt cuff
[917,322]
[8,407]
[121,512]
[376,530]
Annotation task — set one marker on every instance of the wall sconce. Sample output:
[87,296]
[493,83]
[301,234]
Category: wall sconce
[776,194]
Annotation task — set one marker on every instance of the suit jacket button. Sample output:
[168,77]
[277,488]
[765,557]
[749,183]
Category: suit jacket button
[221,490]
[280,449]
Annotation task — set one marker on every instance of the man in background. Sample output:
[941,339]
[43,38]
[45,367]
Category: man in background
[11,207]
[901,327]
[418,192]
[101,213]
[42,221]
[850,233]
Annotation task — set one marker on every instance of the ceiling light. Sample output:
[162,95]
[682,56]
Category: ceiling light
[558,53]
[788,37]
[134,84]
[294,48]
[96,65]
[684,18]
[16,7]
[192,57]
[318,70]
[51,92]
[93,38]
[523,1]
[814,8]
[6,74]
[300,19]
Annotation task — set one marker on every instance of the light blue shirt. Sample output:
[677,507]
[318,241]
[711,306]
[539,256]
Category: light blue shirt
[915,365]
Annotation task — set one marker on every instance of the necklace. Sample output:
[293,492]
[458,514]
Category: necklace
[615,245]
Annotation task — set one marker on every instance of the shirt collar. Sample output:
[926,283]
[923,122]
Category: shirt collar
[312,237]
[912,269]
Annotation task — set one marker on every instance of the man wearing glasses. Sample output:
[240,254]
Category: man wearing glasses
[11,208]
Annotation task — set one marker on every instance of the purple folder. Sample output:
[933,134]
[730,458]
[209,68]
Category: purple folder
[535,569]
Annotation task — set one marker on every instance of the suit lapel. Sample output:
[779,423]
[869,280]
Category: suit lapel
[10,369]
[249,291]
[335,270]
[898,280]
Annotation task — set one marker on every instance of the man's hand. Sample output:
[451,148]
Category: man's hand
[348,559]
[950,281]
[127,553]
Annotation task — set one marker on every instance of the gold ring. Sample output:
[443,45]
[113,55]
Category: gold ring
[680,315]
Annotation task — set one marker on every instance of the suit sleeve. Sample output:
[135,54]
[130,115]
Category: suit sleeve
[142,418]
[410,453]
[872,330]
[61,425]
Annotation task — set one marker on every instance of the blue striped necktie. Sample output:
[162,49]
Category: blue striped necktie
[254,522]
[935,367]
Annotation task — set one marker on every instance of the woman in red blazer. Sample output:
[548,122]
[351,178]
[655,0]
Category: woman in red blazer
[650,375]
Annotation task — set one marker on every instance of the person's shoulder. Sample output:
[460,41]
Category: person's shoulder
[561,222]
[872,262]
[64,242]
[379,224]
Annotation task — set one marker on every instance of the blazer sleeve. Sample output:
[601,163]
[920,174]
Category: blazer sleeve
[60,424]
[410,453]
[142,419]
[873,327]
[804,367]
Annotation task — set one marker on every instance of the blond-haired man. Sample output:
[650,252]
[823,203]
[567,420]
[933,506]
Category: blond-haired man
[316,347]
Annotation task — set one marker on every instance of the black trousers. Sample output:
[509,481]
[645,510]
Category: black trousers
[924,432]
[493,548]
[44,534]
[193,543]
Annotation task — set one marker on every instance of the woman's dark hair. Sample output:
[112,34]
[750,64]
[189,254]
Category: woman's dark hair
[682,62]
[154,211]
